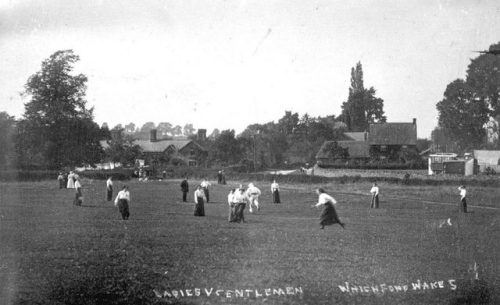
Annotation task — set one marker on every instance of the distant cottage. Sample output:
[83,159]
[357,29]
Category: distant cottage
[391,141]
[157,151]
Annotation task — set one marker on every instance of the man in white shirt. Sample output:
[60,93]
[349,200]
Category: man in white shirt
[374,191]
[122,201]
[463,193]
[205,185]
[253,194]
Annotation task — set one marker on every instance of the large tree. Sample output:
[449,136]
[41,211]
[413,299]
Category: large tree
[463,114]
[57,128]
[7,133]
[362,106]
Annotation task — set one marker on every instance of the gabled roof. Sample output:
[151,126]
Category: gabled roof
[162,145]
[393,134]
[356,149]
[355,136]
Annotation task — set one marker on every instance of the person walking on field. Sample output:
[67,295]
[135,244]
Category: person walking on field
[275,189]
[329,214]
[184,189]
[78,192]
[123,201]
[463,201]
[253,194]
[199,199]
[109,188]
[205,185]
[374,191]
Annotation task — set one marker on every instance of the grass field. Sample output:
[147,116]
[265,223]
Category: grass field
[55,253]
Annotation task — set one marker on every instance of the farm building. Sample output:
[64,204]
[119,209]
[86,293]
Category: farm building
[448,163]
[392,141]
[158,151]
[487,159]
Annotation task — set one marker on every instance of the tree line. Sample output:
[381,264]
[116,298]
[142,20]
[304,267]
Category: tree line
[58,129]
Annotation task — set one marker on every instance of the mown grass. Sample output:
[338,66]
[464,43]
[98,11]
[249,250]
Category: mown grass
[55,253]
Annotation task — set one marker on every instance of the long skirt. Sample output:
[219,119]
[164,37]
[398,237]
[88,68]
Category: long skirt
[207,193]
[78,197]
[62,185]
[71,184]
[276,196]
[329,216]
[374,203]
[109,193]
[238,212]
[123,208]
[463,203]
[199,208]
[231,215]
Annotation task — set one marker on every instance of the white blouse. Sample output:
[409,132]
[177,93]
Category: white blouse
[199,193]
[324,198]
[123,194]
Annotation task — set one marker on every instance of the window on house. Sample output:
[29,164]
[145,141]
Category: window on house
[383,148]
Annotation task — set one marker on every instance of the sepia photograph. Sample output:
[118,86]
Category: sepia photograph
[249,152]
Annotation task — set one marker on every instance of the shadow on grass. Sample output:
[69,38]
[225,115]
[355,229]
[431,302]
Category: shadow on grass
[475,292]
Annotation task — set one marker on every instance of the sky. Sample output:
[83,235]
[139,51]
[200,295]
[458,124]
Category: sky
[229,64]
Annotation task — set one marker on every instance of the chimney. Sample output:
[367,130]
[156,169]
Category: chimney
[152,135]
[202,134]
[414,121]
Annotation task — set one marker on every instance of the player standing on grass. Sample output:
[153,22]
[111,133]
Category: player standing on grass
[199,199]
[109,189]
[329,215]
[122,201]
[240,200]
[463,202]
[184,189]
[205,185]
[230,202]
[275,189]
[374,191]
[78,192]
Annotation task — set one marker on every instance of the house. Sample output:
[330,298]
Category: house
[487,159]
[392,141]
[158,151]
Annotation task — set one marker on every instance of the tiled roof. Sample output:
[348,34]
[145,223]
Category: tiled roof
[161,145]
[393,134]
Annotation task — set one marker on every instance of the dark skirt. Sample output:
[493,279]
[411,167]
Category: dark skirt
[207,194]
[123,208]
[329,215]
[109,193]
[199,208]
[231,216]
[238,212]
[276,196]
[463,203]
[78,197]
[374,204]
[62,185]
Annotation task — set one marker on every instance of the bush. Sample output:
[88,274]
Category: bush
[117,174]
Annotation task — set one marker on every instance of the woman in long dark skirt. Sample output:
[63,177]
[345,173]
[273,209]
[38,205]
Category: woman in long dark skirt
[122,201]
[275,189]
[199,199]
[329,214]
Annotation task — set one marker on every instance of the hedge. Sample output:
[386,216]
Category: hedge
[38,175]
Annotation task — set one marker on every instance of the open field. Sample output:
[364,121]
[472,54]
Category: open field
[55,253]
